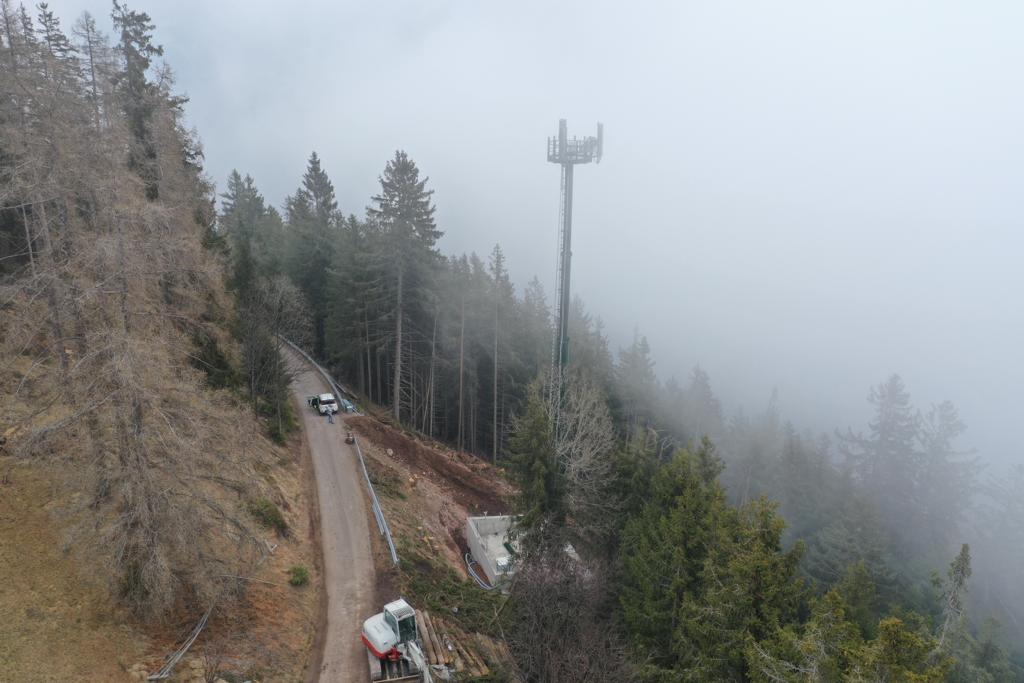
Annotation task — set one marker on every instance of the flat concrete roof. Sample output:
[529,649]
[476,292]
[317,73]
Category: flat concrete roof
[493,533]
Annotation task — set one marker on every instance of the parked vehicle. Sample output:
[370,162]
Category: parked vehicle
[323,404]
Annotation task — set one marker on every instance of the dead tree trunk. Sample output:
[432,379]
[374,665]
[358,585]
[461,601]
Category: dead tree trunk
[53,285]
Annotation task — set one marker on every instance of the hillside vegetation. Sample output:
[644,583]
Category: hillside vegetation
[662,540]
[126,404]
[710,548]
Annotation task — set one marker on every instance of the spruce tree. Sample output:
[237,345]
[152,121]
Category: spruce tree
[404,213]
[947,479]
[534,330]
[704,412]
[884,462]
[96,64]
[312,222]
[503,297]
[532,456]
[61,62]
[636,382]
[138,94]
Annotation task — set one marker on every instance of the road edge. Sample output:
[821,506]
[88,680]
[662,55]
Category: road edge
[316,657]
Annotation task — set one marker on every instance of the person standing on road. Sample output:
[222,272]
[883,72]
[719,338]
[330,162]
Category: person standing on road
[330,416]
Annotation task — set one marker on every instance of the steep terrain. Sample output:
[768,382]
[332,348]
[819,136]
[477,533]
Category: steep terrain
[141,489]
[53,591]
[49,596]
[427,490]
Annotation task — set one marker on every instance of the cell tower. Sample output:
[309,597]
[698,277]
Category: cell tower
[568,152]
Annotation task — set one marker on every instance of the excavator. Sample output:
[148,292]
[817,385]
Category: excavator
[393,645]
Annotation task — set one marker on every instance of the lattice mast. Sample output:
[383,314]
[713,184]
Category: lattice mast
[566,152]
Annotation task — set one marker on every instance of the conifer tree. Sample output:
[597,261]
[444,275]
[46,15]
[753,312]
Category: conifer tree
[533,332]
[115,289]
[404,213]
[532,456]
[268,306]
[830,648]
[312,222]
[664,549]
[137,93]
[700,578]
[883,462]
[635,376]
[589,351]
[503,297]
[96,65]
[704,412]
[60,61]
[947,479]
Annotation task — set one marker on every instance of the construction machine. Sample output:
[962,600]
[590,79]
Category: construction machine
[393,645]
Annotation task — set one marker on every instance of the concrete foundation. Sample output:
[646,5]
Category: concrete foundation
[488,538]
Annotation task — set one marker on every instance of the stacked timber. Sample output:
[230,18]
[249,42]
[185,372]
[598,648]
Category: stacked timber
[436,652]
[448,645]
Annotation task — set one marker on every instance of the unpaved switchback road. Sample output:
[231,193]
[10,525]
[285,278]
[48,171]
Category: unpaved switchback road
[345,535]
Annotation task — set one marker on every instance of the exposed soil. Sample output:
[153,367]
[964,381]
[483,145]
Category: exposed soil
[427,491]
[468,481]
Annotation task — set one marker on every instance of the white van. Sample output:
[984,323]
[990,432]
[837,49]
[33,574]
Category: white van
[323,404]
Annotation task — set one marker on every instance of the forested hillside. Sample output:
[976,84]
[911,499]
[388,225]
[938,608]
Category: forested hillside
[716,547]
[124,388]
[662,539]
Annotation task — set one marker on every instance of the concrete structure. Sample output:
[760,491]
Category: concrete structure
[489,544]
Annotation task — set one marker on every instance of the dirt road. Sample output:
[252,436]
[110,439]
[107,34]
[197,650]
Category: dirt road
[348,566]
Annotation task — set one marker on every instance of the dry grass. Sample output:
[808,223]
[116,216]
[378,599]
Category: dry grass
[53,592]
[59,621]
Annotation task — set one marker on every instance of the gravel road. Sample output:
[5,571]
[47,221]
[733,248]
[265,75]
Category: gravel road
[345,535]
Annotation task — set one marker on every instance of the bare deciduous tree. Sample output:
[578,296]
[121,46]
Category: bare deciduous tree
[99,325]
[563,629]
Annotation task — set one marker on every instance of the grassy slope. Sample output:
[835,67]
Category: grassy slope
[60,620]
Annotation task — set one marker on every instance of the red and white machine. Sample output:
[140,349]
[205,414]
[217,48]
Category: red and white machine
[392,642]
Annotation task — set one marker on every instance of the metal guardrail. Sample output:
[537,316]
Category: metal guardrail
[337,386]
[378,513]
[382,523]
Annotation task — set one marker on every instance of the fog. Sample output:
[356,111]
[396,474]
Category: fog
[804,196]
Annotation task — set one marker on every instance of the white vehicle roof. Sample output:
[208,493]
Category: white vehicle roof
[400,608]
[326,397]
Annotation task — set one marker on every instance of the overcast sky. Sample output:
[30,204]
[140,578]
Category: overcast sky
[801,195]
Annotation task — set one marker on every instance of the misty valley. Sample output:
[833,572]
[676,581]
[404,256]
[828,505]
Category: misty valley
[711,404]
